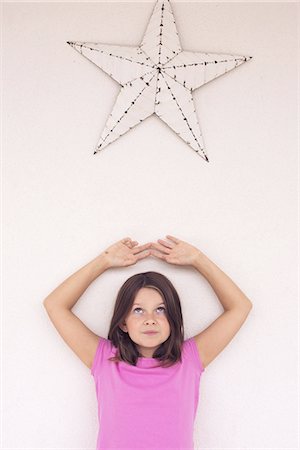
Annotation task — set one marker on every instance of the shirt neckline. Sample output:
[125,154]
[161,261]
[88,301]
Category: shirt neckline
[145,357]
[145,362]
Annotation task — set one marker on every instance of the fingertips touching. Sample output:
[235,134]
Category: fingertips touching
[157,254]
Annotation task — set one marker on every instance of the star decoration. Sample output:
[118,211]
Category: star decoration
[157,77]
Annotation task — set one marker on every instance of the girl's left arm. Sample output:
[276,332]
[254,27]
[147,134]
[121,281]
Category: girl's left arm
[211,341]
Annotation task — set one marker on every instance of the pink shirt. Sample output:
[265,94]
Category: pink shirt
[144,407]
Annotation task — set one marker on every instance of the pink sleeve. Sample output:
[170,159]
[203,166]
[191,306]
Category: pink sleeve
[193,352]
[98,358]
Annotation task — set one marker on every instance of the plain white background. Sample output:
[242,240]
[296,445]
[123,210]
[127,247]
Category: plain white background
[63,206]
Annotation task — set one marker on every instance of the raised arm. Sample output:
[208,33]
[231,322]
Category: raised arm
[60,302]
[211,341]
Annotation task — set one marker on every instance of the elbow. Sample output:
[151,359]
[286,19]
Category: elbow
[250,305]
[45,303]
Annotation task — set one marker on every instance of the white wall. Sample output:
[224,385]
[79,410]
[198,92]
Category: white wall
[63,206]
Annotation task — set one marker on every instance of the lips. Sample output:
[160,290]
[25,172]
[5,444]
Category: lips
[150,332]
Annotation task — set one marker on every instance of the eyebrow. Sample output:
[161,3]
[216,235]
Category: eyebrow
[162,303]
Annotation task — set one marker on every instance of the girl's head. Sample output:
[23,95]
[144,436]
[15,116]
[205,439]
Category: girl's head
[147,301]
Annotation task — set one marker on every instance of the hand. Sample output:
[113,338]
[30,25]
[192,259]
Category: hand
[175,252]
[125,253]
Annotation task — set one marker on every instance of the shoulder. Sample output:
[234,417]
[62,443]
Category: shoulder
[102,350]
[190,351]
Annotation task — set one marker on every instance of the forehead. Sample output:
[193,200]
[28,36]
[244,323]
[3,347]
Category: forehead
[148,295]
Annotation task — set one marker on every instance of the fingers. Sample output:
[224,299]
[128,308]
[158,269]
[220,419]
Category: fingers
[157,254]
[141,248]
[129,242]
[166,244]
[161,248]
[133,245]
[173,239]
[142,255]
[125,240]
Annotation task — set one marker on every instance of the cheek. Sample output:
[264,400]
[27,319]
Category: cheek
[164,321]
[134,321]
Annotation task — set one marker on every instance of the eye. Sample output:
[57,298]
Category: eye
[160,307]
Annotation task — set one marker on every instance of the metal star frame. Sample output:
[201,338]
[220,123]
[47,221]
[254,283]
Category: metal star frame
[157,77]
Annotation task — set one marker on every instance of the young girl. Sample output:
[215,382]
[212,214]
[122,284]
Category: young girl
[146,375]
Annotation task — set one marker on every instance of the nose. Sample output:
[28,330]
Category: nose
[150,320]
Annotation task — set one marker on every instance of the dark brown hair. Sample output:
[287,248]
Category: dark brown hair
[169,352]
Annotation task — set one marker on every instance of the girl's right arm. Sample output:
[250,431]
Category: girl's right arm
[59,303]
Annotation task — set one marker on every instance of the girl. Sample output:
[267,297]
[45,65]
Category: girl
[146,375]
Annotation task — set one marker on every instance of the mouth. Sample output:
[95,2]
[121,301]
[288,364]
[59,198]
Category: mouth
[150,332]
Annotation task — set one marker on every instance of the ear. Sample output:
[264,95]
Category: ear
[123,327]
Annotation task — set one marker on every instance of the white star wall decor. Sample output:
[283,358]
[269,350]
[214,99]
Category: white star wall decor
[157,77]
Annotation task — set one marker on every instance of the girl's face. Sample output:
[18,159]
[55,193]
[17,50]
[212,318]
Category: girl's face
[148,312]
